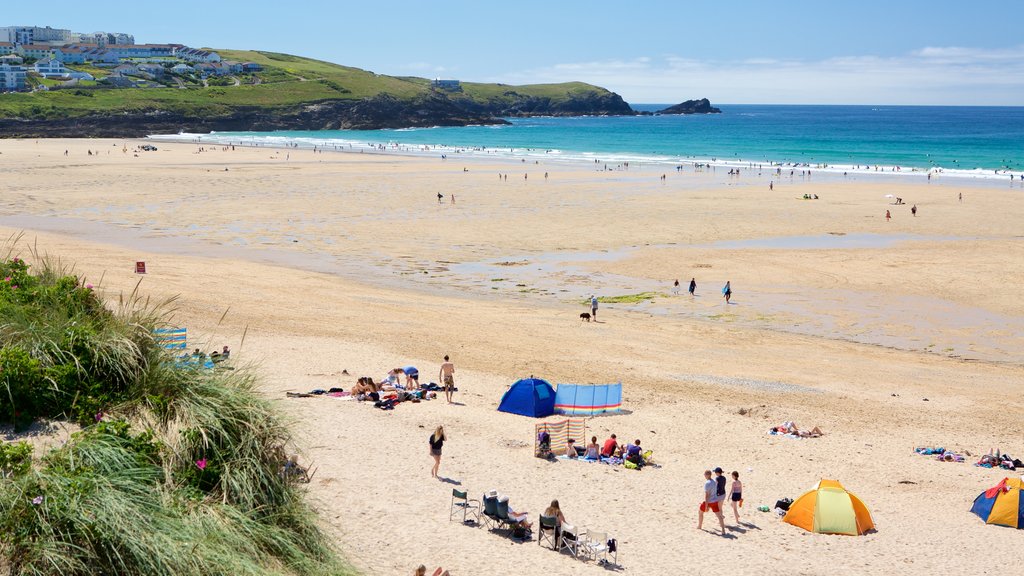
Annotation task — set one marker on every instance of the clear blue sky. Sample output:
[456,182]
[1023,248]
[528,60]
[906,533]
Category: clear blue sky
[870,52]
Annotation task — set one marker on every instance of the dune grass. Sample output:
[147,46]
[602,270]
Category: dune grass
[180,470]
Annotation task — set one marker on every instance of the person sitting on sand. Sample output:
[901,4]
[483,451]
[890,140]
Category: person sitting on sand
[611,447]
[633,454]
[570,449]
[392,378]
[593,451]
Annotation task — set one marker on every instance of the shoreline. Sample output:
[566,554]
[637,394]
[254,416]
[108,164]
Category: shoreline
[577,157]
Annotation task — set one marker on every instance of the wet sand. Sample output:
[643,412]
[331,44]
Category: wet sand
[343,261]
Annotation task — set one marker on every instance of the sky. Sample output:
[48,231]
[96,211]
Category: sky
[913,52]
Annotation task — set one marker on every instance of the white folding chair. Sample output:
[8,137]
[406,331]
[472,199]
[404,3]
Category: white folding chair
[596,546]
[570,540]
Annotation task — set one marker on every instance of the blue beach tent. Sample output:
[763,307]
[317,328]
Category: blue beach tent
[531,397]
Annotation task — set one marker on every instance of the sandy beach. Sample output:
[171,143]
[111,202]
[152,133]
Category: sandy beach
[886,334]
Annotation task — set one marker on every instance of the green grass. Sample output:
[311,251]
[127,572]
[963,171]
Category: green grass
[288,81]
[181,476]
[628,298]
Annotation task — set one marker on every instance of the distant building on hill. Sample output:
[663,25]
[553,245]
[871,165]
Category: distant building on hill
[35,51]
[12,78]
[12,59]
[197,55]
[251,67]
[450,85]
[49,67]
[6,48]
[34,35]
[105,38]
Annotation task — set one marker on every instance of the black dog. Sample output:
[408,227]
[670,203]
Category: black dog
[585,316]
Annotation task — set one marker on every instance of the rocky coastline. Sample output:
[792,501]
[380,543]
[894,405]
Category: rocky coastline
[380,112]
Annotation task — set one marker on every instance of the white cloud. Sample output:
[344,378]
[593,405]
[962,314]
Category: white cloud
[931,75]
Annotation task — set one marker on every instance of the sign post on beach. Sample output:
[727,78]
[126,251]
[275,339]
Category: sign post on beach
[140,267]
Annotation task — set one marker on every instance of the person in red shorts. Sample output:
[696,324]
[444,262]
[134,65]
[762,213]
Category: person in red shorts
[711,502]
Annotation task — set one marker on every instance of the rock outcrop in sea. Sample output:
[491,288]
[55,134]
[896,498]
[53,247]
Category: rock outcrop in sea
[702,106]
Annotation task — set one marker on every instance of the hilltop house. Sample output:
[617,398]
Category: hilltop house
[154,70]
[450,85]
[34,50]
[197,55]
[12,78]
[183,69]
[48,67]
[127,70]
[251,67]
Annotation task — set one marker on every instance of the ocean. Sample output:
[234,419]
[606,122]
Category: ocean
[979,142]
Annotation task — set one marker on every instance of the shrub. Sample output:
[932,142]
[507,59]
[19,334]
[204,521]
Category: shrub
[15,459]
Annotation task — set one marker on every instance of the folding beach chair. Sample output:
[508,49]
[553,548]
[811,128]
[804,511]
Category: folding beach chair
[461,501]
[504,521]
[548,530]
[597,546]
[490,518]
[570,540]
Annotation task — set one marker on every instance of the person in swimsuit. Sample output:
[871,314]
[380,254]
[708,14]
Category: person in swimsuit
[593,450]
[727,291]
[447,376]
[412,377]
[737,494]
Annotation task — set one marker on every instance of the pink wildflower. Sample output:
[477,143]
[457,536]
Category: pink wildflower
[37,500]
[201,463]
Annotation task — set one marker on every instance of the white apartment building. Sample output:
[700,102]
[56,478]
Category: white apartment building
[34,35]
[12,78]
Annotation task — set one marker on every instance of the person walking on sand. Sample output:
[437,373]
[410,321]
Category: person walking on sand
[913,210]
[593,307]
[727,291]
[447,377]
[887,215]
[436,443]
[710,503]
[440,197]
[736,494]
[675,287]
[693,286]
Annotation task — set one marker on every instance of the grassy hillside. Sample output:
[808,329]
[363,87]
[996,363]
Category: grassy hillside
[286,81]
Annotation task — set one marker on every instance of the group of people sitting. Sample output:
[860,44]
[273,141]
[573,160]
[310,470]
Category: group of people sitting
[996,459]
[388,393]
[789,428]
[611,451]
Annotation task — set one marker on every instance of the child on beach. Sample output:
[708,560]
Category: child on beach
[737,494]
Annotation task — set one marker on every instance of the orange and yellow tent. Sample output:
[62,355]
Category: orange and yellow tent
[1002,504]
[830,509]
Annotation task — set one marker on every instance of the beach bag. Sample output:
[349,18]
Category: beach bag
[630,465]
[784,503]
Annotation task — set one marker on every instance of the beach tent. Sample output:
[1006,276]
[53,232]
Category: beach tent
[588,399]
[531,397]
[1001,504]
[830,509]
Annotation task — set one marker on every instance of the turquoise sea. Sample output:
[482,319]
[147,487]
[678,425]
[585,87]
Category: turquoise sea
[968,141]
